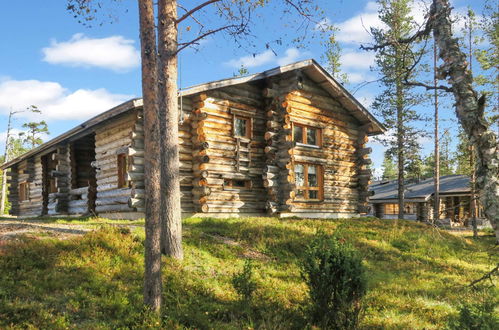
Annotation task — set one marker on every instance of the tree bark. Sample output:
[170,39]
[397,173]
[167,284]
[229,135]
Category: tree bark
[152,165]
[470,111]
[436,176]
[168,110]
[400,132]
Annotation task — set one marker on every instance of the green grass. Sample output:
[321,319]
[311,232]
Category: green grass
[417,275]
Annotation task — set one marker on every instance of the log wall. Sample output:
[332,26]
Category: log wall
[342,155]
[111,139]
[220,158]
[29,171]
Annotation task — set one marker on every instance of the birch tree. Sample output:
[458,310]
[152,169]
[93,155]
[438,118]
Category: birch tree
[469,105]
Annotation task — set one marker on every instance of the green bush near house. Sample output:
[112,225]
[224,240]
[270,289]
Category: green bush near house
[416,275]
[336,280]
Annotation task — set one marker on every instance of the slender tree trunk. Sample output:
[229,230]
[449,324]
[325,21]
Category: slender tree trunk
[170,180]
[473,209]
[470,111]
[5,159]
[436,179]
[473,199]
[400,132]
[152,168]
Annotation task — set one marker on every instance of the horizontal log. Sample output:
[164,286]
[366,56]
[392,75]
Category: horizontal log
[112,200]
[78,203]
[113,208]
[79,191]
[120,192]
[78,210]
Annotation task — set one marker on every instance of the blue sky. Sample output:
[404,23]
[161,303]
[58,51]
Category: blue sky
[72,72]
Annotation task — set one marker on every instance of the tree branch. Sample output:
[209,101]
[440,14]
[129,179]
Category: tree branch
[419,34]
[484,277]
[192,16]
[195,9]
[204,35]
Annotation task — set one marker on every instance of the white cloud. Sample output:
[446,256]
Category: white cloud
[114,53]
[357,28]
[55,101]
[292,55]
[252,61]
[267,57]
[357,60]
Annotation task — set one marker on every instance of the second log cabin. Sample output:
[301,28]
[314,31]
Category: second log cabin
[289,141]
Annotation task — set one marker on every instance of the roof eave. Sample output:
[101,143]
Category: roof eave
[124,107]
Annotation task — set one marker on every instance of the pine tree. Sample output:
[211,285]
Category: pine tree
[35,129]
[389,168]
[395,103]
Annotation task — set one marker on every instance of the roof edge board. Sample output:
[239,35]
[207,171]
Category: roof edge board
[121,108]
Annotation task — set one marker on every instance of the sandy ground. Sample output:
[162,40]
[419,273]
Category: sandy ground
[10,229]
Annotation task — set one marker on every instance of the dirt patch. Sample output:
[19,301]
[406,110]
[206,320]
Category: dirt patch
[11,229]
[247,253]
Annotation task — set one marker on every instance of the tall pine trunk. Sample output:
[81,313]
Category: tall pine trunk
[168,110]
[152,167]
[470,111]
[399,99]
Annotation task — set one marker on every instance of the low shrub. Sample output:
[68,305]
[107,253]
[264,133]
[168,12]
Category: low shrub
[478,315]
[244,283]
[336,280]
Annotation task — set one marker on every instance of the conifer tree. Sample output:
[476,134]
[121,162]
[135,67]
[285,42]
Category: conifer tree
[395,103]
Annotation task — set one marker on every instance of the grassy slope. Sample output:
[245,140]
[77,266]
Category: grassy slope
[416,275]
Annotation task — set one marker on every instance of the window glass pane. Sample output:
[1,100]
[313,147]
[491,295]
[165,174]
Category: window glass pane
[299,175]
[240,127]
[298,133]
[239,183]
[312,176]
[311,136]
[313,194]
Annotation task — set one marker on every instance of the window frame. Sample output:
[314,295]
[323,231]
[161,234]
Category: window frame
[24,191]
[306,188]
[249,126]
[122,164]
[304,140]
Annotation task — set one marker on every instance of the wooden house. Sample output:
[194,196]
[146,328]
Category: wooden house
[455,200]
[288,141]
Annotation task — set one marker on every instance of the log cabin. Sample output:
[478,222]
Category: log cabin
[456,208]
[290,141]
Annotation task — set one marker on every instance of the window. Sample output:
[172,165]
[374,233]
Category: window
[309,181]
[410,208]
[23,191]
[307,135]
[52,186]
[242,127]
[237,184]
[122,170]
[391,209]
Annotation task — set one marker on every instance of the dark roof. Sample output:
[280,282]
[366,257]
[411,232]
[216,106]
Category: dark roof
[449,184]
[310,67]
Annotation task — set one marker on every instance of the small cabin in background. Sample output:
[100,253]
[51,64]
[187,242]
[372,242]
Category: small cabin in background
[455,200]
[288,141]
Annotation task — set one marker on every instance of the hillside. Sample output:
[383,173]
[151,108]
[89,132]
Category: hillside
[417,274]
